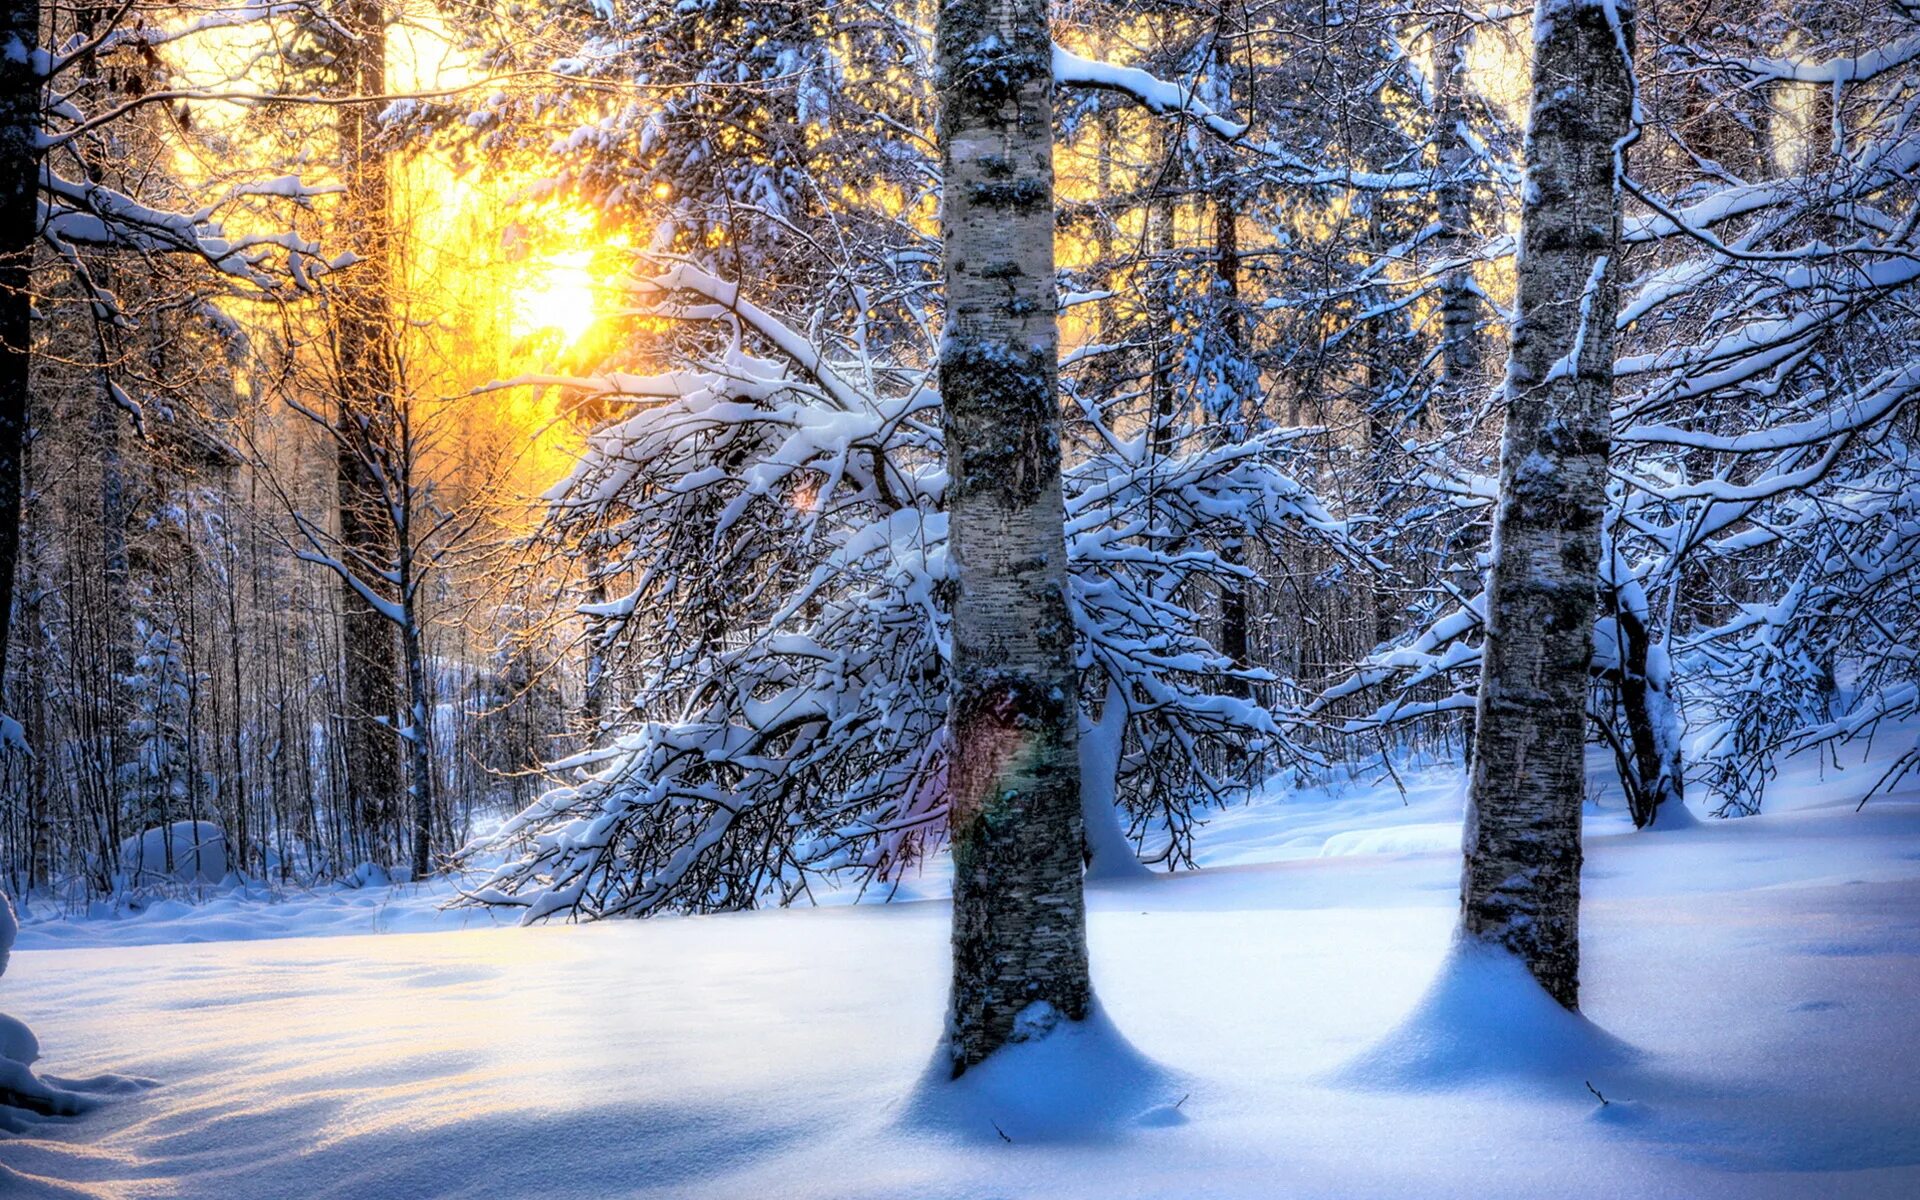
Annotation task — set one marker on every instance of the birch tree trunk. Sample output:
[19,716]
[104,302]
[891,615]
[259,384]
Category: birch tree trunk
[1521,884]
[366,369]
[19,187]
[1019,919]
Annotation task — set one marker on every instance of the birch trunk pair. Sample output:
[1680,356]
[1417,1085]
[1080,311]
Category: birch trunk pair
[1019,943]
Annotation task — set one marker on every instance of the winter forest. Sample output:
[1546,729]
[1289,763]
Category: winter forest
[894,599]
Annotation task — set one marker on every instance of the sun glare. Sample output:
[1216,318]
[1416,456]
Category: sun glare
[560,297]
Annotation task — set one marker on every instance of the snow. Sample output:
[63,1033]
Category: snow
[1058,1082]
[198,853]
[1290,1021]
[23,1093]
[1158,95]
[233,911]
[1484,1017]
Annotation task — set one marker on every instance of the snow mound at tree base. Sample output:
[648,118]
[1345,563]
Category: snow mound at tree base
[1485,1018]
[1671,816]
[1069,1081]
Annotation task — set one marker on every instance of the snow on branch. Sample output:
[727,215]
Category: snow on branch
[1841,70]
[1155,94]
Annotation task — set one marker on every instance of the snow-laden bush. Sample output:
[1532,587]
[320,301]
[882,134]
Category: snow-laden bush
[770,533]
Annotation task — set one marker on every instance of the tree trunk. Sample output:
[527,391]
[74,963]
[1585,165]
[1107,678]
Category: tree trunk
[1521,883]
[1382,399]
[1110,853]
[1019,918]
[1453,201]
[419,739]
[1162,286]
[367,374]
[1655,781]
[1460,349]
[1242,382]
[19,187]
[593,703]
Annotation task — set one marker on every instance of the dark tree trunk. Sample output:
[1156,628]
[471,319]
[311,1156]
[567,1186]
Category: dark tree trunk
[367,368]
[1453,201]
[419,742]
[593,704]
[1521,884]
[1243,380]
[1652,770]
[19,187]
[1019,919]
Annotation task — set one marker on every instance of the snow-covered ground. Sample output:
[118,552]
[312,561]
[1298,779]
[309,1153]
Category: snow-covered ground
[1757,979]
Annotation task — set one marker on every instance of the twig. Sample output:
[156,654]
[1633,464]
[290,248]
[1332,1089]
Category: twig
[1596,1093]
[1000,1131]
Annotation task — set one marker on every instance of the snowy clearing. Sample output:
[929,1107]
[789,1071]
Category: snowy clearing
[1758,976]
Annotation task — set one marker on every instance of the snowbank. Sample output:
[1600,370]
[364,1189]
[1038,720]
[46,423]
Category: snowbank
[250,911]
[183,852]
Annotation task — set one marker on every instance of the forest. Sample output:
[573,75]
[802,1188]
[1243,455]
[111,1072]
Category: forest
[1385,534]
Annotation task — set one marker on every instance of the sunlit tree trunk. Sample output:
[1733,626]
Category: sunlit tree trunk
[1019,919]
[1521,884]
[366,377]
[19,182]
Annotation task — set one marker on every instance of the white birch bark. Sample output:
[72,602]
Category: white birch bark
[1521,884]
[1019,920]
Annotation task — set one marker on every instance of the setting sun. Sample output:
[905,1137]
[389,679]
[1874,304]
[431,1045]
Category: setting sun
[561,298]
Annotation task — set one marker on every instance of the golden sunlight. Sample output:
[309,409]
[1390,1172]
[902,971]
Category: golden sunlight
[560,297]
